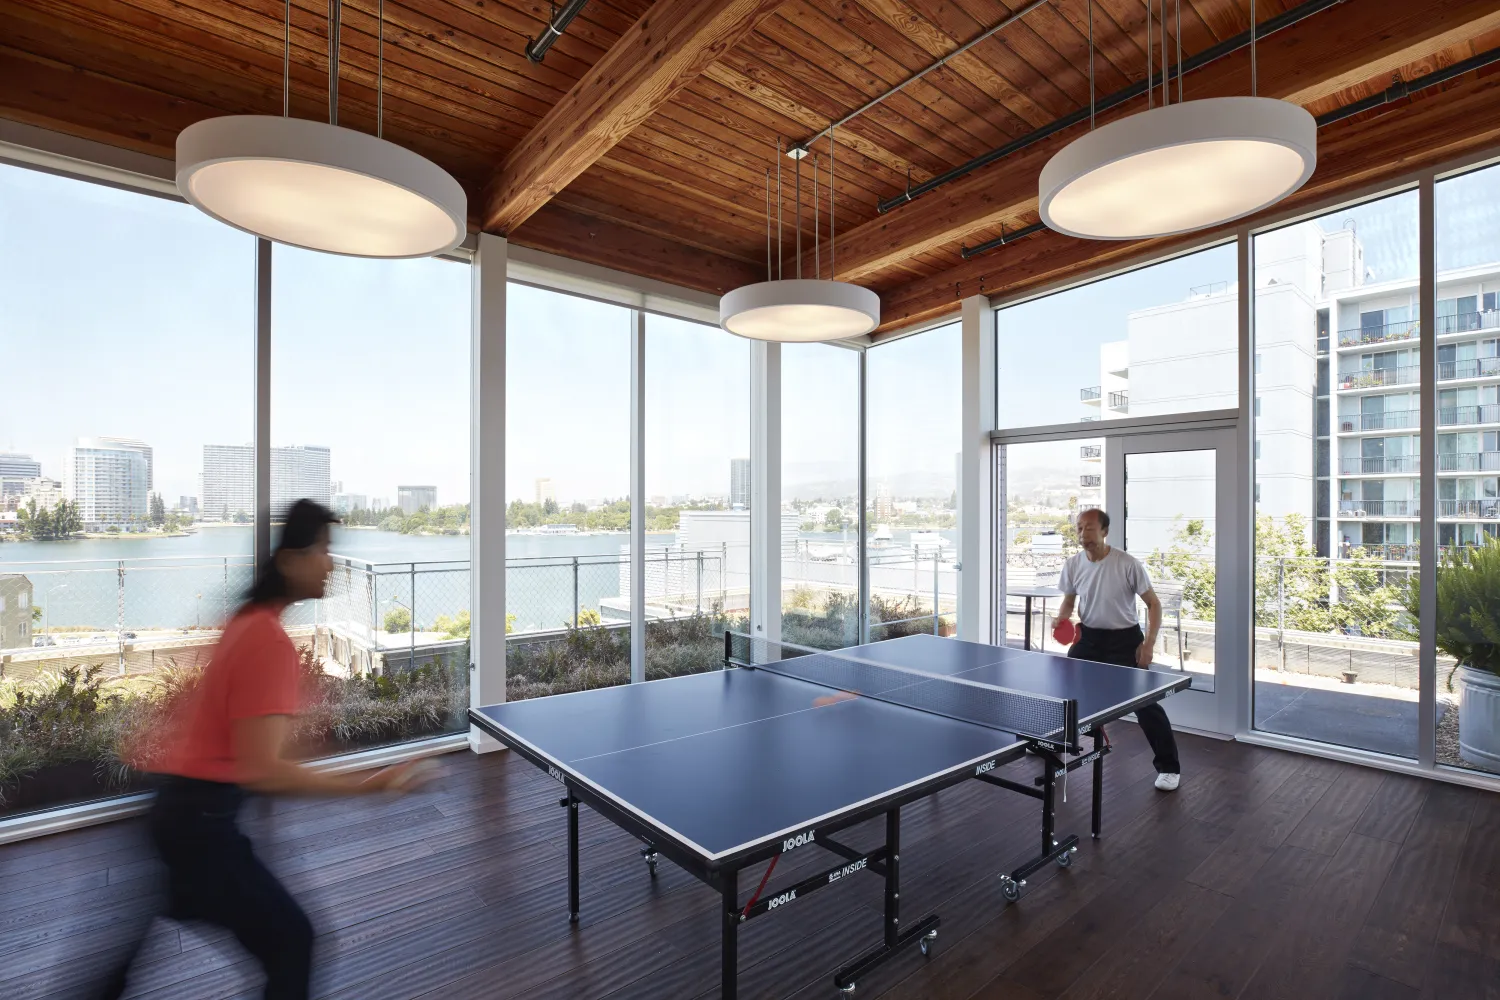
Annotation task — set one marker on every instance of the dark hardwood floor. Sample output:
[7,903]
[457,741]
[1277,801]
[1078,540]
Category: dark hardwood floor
[1267,875]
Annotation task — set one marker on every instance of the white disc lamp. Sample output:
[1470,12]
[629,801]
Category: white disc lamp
[1179,168]
[800,310]
[320,186]
[317,185]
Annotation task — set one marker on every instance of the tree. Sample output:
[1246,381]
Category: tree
[456,627]
[240,517]
[35,521]
[549,507]
[398,620]
[833,520]
[158,510]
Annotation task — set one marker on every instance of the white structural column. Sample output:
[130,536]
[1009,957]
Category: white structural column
[262,447]
[978,575]
[638,497]
[1236,625]
[487,484]
[765,490]
[1427,611]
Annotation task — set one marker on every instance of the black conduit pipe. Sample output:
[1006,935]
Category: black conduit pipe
[536,49]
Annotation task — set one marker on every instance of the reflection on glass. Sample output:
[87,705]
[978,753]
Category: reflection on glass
[1468,510]
[819,487]
[1336,312]
[698,499]
[390,640]
[1169,524]
[567,476]
[126,322]
[1046,486]
[913,456]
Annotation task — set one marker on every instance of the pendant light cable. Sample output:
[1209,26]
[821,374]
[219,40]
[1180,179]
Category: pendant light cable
[380,71]
[1179,51]
[1166,60]
[780,200]
[1150,75]
[1254,75]
[769,274]
[286,62]
[799,216]
[817,225]
[1091,66]
[833,235]
[335,14]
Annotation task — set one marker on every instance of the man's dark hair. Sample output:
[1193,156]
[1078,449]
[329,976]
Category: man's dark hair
[305,523]
[1103,517]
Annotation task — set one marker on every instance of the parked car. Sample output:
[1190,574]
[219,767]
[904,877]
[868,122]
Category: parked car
[43,640]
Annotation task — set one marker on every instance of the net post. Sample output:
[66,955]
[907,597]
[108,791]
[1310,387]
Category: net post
[728,646]
[1070,726]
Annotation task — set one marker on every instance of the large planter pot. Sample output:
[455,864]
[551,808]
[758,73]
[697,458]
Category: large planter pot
[1479,717]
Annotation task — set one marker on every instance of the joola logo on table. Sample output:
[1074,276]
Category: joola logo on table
[988,765]
[801,840]
[554,772]
[782,900]
[848,869]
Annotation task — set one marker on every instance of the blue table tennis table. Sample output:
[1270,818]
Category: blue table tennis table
[786,746]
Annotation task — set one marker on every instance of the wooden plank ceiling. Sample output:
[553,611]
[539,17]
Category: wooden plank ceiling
[653,158]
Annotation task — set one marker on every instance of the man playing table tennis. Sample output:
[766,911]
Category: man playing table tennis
[1106,581]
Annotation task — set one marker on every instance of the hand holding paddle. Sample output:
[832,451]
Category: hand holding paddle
[1064,631]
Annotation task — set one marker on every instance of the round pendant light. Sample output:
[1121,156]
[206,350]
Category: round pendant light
[800,310]
[1178,168]
[319,186]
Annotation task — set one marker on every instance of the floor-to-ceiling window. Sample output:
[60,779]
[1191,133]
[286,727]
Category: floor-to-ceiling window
[127,335]
[698,493]
[820,495]
[1467,245]
[567,477]
[370,416]
[1337,464]
[913,446]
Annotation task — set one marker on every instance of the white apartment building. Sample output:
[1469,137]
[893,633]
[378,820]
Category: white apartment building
[413,498]
[739,483]
[545,490]
[109,479]
[297,471]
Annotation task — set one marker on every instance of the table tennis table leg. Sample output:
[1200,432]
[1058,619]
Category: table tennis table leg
[1098,782]
[572,804]
[729,959]
[1026,629]
[892,877]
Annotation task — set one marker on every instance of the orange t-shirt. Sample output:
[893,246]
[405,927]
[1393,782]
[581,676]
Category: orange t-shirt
[253,672]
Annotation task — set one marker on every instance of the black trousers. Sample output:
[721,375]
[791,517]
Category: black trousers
[214,876]
[1118,646]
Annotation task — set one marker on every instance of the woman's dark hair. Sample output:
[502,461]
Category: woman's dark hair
[305,523]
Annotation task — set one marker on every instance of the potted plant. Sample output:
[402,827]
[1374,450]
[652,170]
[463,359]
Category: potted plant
[1468,629]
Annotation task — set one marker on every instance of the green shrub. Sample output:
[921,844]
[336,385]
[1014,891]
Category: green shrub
[1468,605]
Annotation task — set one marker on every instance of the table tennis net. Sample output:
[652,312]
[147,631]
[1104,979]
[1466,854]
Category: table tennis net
[1035,716]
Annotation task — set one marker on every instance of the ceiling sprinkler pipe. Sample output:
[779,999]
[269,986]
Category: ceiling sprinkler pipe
[536,49]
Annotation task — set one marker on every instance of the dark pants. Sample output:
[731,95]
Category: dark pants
[1118,646]
[214,876]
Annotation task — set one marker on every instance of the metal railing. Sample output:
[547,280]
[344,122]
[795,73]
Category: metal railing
[1090,394]
[1379,508]
[1448,371]
[1090,482]
[1357,465]
[1458,416]
[1089,451]
[1381,551]
[1466,322]
[1088,420]
[1388,420]
[1119,401]
[1469,461]
[1384,334]
[1373,377]
[1486,509]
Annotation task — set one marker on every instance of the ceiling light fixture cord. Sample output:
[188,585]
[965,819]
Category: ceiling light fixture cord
[1254,80]
[780,200]
[833,235]
[1179,51]
[286,62]
[769,273]
[335,13]
[1166,60]
[1150,75]
[799,216]
[380,72]
[817,225]
[1091,66]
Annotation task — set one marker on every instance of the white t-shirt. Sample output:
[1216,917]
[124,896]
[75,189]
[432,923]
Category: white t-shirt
[1106,589]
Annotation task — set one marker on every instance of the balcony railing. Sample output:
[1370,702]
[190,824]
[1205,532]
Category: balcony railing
[1090,394]
[1450,416]
[1119,400]
[1379,508]
[1402,375]
[1383,551]
[1090,482]
[1389,420]
[1472,368]
[1357,465]
[1469,461]
[1465,322]
[1089,451]
[1384,334]
[1088,420]
[1487,508]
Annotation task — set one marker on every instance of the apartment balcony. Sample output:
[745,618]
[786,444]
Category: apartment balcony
[1386,421]
[1469,461]
[1389,333]
[1377,377]
[1468,322]
[1487,509]
[1090,395]
[1383,551]
[1358,465]
[1448,371]
[1119,401]
[1091,452]
[1090,482]
[1459,416]
[1379,508]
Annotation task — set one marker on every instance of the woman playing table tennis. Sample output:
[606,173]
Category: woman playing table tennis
[232,738]
[1105,582]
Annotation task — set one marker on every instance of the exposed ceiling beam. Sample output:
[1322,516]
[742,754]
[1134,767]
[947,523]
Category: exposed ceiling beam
[668,48]
[1429,131]
[1348,44]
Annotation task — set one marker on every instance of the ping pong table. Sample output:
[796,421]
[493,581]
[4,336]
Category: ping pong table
[785,747]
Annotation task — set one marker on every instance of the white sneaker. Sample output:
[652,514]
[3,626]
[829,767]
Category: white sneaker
[1168,782]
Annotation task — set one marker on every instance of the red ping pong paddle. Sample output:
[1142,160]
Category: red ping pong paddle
[1065,632]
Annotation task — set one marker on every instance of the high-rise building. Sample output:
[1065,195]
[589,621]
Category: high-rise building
[346,503]
[188,505]
[884,508]
[109,480]
[131,444]
[545,491]
[297,471]
[380,503]
[739,483]
[413,498]
[15,469]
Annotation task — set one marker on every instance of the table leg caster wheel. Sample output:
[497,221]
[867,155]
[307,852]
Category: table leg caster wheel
[651,860]
[1010,889]
[926,944]
[1065,860]
[847,990]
